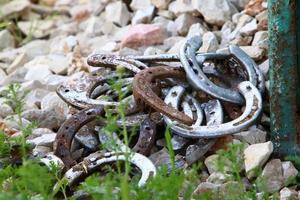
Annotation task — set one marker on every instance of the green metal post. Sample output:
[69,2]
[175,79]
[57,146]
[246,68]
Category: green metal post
[283,76]
[298,52]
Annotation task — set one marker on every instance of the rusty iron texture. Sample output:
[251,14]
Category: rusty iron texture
[104,60]
[143,85]
[283,76]
[146,137]
[298,52]
[98,159]
[68,130]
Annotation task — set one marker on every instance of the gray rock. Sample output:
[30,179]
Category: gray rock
[36,28]
[166,14]
[182,6]
[2,74]
[218,178]
[242,20]
[289,172]
[93,27]
[272,176]
[5,109]
[183,23]
[252,136]
[35,48]
[240,4]
[264,68]
[215,12]
[254,52]
[211,163]
[129,51]
[34,97]
[206,188]
[13,7]
[43,140]
[37,72]
[256,155]
[45,118]
[153,51]
[118,13]
[249,28]
[15,77]
[210,42]
[196,30]
[13,122]
[20,60]
[62,44]
[86,137]
[261,39]
[288,194]
[161,4]
[6,40]
[41,151]
[143,16]
[52,81]
[53,102]
[39,131]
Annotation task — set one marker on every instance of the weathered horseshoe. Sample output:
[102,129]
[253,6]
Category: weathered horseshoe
[142,90]
[251,113]
[100,60]
[214,116]
[146,137]
[67,131]
[199,80]
[81,98]
[96,160]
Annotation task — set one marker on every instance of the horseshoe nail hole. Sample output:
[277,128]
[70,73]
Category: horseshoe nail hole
[147,128]
[67,128]
[67,90]
[63,135]
[196,71]
[103,58]
[212,113]
[248,88]
[153,82]
[174,94]
[150,72]
[88,112]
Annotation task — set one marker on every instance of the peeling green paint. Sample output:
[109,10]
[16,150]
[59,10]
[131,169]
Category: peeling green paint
[283,75]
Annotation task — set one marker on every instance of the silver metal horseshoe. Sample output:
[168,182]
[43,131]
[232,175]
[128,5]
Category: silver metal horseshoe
[200,81]
[251,113]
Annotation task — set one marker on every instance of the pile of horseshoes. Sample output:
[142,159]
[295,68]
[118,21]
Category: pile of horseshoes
[200,97]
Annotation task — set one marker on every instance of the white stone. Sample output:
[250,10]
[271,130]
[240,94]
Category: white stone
[161,4]
[252,136]
[34,97]
[288,194]
[264,68]
[218,178]
[153,51]
[37,72]
[94,26]
[289,171]
[254,52]
[240,4]
[261,39]
[183,23]
[18,62]
[36,28]
[5,109]
[140,5]
[250,28]
[256,156]
[196,30]
[143,16]
[53,102]
[6,40]
[210,42]
[43,140]
[13,7]
[118,13]
[35,48]
[215,12]
[182,6]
